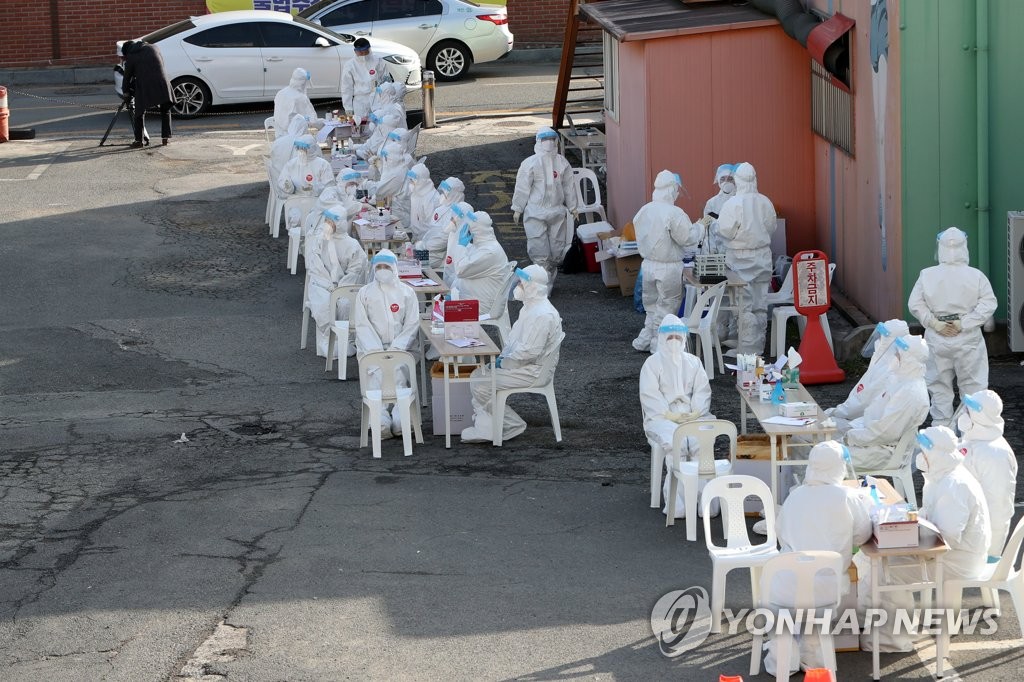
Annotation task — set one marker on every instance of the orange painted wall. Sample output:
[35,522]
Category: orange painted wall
[711,98]
[847,208]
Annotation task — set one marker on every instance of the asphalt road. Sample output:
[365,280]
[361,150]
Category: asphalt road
[144,300]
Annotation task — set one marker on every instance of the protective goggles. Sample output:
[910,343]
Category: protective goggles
[349,177]
[882,329]
[902,344]
[522,274]
[394,136]
[331,215]
[384,259]
[456,210]
[445,186]
[925,441]
[472,215]
[411,175]
[547,135]
[679,180]
[301,145]
[673,329]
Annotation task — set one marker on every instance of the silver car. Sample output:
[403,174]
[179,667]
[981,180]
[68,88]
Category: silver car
[449,35]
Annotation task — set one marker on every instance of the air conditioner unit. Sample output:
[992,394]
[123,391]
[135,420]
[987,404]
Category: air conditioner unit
[1015,280]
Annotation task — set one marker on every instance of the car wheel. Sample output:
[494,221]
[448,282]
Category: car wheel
[449,61]
[191,97]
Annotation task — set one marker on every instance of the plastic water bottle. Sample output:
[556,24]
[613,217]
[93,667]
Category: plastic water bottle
[874,495]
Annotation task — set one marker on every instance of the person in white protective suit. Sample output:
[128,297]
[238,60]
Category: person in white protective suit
[350,182]
[359,79]
[305,174]
[395,162]
[953,501]
[283,148]
[820,515]
[544,197]
[745,226]
[952,301]
[536,337]
[389,98]
[674,390]
[452,192]
[874,379]
[386,317]
[900,406]
[481,272]
[990,459]
[305,225]
[333,259]
[663,231]
[713,208]
[292,99]
[423,201]
[375,142]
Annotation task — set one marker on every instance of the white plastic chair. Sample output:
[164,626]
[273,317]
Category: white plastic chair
[1004,575]
[547,390]
[784,296]
[738,551]
[271,193]
[341,330]
[268,129]
[412,139]
[305,204]
[799,569]
[693,473]
[405,399]
[275,202]
[498,314]
[306,314]
[583,176]
[902,475]
[703,324]
[782,313]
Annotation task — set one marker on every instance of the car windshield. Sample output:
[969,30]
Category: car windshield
[168,31]
[343,37]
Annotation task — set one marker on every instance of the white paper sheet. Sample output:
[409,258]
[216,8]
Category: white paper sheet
[788,421]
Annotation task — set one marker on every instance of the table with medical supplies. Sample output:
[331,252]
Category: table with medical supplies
[454,357]
[371,242]
[779,434]
[426,292]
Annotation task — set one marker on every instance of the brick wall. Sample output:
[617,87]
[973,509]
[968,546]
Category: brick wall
[538,23]
[88,29]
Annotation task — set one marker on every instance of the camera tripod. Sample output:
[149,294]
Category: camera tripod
[129,104]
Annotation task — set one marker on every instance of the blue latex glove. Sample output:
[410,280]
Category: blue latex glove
[464,236]
[497,362]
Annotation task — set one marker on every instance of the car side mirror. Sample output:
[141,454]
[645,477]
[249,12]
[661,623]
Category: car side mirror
[322,42]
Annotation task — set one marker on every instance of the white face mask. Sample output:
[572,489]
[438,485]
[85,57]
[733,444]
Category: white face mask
[547,146]
[329,229]
[674,346]
[384,276]
[728,187]
[518,293]
[350,190]
[964,423]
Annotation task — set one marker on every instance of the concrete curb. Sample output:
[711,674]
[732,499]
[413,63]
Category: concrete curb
[81,75]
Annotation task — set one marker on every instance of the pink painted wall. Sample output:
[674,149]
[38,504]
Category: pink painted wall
[853,238]
[709,98]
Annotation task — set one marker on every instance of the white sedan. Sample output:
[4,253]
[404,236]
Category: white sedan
[247,56]
[449,35]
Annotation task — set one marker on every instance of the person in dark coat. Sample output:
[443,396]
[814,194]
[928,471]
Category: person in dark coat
[145,79]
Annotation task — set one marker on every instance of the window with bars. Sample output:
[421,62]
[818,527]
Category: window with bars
[831,109]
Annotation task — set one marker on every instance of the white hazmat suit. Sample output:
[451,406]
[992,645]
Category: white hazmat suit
[899,407]
[663,231]
[333,259]
[674,390]
[481,272]
[291,100]
[713,208]
[359,78]
[745,226]
[820,515]
[874,379]
[386,317]
[991,461]
[283,148]
[389,98]
[305,174]
[545,197]
[395,163]
[954,502]
[423,201]
[952,301]
[535,339]
[451,192]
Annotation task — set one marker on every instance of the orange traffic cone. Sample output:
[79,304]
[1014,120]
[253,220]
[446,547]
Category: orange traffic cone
[819,675]
[730,678]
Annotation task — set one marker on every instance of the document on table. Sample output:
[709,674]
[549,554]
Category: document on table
[466,343]
[329,126]
[788,421]
[421,282]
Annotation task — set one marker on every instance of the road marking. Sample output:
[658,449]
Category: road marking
[241,151]
[37,172]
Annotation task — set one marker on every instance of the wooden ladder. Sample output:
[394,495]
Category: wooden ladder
[581,69]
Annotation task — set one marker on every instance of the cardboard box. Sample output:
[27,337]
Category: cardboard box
[753,458]
[409,269]
[368,231]
[896,534]
[798,409]
[461,416]
[617,270]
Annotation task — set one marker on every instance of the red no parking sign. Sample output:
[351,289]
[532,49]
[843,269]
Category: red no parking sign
[811,296]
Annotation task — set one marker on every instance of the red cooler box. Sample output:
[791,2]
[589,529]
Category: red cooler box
[588,236]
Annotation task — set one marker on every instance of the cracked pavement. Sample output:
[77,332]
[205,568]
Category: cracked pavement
[144,299]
